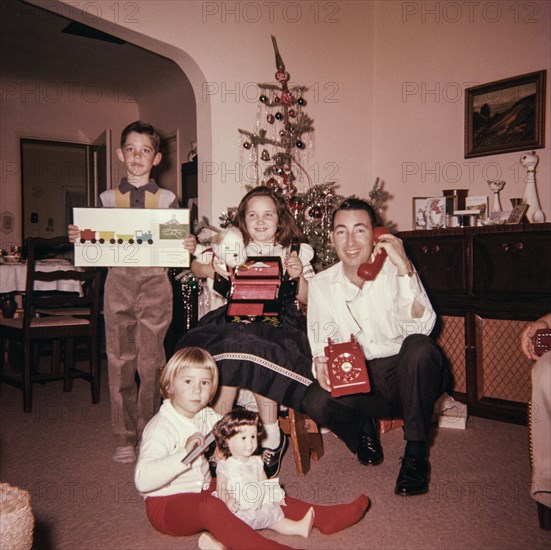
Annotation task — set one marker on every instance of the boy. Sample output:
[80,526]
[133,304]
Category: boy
[137,300]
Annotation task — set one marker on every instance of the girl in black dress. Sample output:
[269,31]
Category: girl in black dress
[272,359]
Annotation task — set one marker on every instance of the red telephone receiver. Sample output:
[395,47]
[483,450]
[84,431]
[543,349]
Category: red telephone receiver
[369,271]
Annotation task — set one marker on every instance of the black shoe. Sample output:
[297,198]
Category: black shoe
[272,457]
[369,450]
[413,478]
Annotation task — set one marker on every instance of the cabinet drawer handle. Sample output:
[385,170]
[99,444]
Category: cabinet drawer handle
[517,246]
[430,249]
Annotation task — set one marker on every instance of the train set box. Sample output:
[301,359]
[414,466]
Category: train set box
[144,237]
[254,293]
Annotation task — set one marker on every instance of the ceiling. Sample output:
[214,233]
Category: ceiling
[33,45]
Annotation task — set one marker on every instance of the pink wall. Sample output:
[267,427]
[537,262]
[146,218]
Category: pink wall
[363,61]
[423,62]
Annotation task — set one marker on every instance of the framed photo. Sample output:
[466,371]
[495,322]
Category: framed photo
[517,214]
[435,210]
[418,212]
[478,203]
[505,115]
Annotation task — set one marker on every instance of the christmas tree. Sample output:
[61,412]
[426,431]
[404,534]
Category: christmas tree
[278,149]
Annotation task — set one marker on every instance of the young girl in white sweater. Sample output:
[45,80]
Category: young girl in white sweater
[178,497]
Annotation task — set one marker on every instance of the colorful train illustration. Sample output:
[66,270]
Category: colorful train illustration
[138,237]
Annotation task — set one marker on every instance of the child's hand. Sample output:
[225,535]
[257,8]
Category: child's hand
[194,441]
[293,265]
[190,243]
[73,232]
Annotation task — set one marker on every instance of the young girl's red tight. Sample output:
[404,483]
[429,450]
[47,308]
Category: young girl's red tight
[186,514]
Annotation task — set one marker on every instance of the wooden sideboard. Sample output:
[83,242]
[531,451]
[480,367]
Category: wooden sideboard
[486,284]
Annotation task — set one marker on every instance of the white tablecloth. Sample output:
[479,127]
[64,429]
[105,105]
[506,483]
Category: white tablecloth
[13,277]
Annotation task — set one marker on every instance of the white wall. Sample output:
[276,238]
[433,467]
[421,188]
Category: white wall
[364,52]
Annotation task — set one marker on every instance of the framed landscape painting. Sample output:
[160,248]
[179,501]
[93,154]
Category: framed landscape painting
[505,116]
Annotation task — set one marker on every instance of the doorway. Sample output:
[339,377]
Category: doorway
[55,178]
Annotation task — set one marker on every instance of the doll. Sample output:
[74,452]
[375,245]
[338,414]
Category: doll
[241,480]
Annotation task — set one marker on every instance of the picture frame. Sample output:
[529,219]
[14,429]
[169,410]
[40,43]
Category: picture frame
[436,212]
[505,115]
[517,214]
[418,213]
[478,202]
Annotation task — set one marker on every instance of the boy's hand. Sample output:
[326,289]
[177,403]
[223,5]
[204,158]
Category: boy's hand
[190,243]
[73,232]
[293,265]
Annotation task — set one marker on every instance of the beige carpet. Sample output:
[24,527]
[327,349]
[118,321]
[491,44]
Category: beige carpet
[61,453]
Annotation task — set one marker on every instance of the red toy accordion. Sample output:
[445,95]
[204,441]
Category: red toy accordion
[254,292]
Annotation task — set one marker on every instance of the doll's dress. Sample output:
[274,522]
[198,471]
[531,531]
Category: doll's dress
[246,486]
[273,361]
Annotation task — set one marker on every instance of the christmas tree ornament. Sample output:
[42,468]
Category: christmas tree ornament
[265,156]
[270,118]
[247,144]
[277,99]
[299,144]
[272,183]
[263,99]
[292,113]
[287,98]
[279,116]
[301,101]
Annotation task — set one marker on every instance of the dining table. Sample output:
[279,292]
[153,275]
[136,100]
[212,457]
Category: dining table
[13,276]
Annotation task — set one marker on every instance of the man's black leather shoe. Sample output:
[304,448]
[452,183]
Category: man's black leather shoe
[413,478]
[369,450]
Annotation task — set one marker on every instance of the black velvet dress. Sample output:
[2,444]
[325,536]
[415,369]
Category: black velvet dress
[273,361]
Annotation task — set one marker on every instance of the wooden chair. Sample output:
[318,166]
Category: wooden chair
[31,331]
[305,436]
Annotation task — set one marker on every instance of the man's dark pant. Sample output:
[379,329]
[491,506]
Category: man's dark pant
[406,385]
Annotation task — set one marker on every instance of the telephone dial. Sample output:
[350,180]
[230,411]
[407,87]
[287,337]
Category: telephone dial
[368,271]
[347,368]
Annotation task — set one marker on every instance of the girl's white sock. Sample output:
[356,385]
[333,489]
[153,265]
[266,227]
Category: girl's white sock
[272,436]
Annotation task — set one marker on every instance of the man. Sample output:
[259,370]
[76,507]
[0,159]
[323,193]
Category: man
[540,414]
[390,317]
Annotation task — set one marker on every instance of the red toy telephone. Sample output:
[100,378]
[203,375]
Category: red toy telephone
[369,271]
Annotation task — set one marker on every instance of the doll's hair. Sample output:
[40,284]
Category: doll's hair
[353,203]
[188,358]
[288,231]
[229,425]
[141,127]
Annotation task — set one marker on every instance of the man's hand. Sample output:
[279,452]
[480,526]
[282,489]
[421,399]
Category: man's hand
[526,338]
[322,374]
[394,247]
